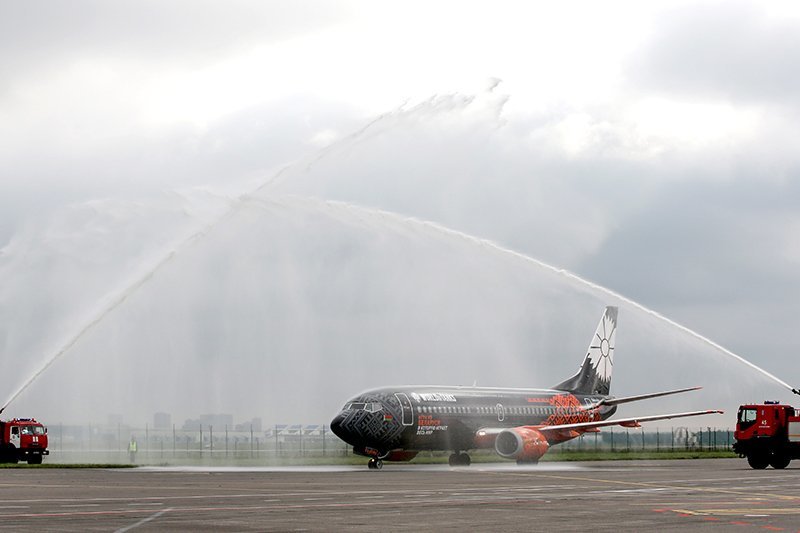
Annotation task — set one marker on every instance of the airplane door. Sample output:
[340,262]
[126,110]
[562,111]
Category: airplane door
[405,407]
[501,412]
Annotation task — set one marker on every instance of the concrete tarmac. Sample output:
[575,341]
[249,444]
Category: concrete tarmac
[707,495]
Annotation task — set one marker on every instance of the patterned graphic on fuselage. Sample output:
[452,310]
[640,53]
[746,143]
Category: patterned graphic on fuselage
[373,425]
[568,410]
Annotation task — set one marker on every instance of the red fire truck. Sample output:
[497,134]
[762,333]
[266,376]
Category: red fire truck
[767,434]
[23,439]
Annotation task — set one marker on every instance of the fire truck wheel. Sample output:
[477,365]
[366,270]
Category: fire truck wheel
[35,460]
[779,461]
[8,454]
[758,461]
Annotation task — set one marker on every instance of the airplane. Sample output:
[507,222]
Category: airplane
[396,423]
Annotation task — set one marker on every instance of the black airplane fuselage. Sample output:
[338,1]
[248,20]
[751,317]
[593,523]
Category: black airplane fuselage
[417,418]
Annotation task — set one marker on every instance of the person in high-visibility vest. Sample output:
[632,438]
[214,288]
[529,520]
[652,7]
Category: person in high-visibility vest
[132,449]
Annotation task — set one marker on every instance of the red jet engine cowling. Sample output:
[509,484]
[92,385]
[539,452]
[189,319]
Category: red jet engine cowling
[523,444]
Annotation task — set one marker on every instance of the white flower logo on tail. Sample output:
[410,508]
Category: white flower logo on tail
[602,350]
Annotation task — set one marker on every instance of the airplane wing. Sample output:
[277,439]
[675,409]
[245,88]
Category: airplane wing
[567,431]
[634,422]
[626,399]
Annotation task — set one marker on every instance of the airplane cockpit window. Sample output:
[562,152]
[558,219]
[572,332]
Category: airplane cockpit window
[373,407]
[370,407]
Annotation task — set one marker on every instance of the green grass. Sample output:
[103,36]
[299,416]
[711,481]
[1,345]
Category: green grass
[66,465]
[483,456]
[478,456]
[638,455]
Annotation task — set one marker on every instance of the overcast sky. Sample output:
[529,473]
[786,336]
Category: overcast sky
[651,147]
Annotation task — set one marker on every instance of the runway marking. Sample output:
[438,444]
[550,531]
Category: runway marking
[298,506]
[15,506]
[752,513]
[650,484]
[654,489]
[686,514]
[142,521]
[81,505]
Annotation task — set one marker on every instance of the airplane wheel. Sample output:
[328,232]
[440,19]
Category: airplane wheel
[459,459]
[375,464]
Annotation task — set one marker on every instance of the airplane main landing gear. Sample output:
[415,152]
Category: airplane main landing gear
[459,459]
[375,464]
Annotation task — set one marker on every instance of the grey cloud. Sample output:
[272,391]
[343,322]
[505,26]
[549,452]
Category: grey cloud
[37,36]
[711,254]
[728,50]
[244,146]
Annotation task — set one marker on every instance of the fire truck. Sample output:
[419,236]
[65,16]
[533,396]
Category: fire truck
[767,434]
[23,439]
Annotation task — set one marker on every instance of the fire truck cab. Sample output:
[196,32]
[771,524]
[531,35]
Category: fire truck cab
[23,439]
[767,434]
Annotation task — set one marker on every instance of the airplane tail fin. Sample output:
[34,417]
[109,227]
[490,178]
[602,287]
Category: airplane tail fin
[594,376]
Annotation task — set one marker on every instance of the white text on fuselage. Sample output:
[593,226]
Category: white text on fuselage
[433,397]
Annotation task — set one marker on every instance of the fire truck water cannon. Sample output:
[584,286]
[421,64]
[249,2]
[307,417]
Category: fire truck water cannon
[23,439]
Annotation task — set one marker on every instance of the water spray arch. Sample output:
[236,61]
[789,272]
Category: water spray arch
[526,329]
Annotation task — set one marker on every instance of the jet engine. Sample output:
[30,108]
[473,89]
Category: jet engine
[523,444]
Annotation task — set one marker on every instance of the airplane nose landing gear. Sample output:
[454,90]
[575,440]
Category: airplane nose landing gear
[375,464]
[459,459]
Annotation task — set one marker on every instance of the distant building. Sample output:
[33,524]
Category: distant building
[217,421]
[254,424]
[191,425]
[162,421]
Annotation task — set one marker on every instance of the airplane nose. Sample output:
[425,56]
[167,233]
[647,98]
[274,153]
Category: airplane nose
[338,429]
